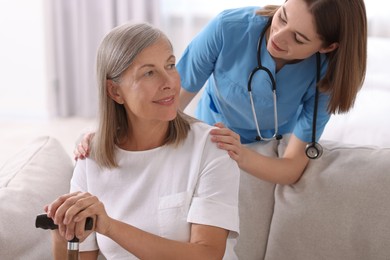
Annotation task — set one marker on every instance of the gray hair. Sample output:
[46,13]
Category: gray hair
[120,47]
[116,53]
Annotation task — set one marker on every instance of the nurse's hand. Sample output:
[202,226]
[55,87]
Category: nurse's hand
[81,151]
[227,140]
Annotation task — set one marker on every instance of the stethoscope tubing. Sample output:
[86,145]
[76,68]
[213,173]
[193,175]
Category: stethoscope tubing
[313,149]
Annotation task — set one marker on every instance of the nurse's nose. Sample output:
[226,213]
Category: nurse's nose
[281,36]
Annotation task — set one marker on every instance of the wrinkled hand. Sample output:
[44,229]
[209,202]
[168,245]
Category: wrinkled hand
[81,151]
[70,211]
[227,140]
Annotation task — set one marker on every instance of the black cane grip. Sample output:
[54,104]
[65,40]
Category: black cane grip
[44,222]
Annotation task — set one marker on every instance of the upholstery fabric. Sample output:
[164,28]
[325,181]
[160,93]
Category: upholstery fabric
[256,202]
[339,209]
[30,179]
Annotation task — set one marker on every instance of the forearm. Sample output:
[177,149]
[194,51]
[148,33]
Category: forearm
[286,170]
[145,245]
[185,98]
[59,246]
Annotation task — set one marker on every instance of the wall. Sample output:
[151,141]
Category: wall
[22,60]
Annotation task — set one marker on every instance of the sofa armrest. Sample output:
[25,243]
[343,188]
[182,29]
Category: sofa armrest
[31,178]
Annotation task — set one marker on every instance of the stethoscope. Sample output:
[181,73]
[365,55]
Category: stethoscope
[313,149]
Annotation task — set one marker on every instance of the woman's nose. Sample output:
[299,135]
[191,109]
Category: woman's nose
[167,80]
[280,36]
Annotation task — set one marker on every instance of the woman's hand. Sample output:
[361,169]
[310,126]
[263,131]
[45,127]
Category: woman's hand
[227,140]
[81,151]
[70,211]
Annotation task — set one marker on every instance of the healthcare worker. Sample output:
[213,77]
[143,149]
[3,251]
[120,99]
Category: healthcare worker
[260,68]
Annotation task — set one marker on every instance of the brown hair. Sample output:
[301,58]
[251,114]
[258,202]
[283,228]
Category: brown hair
[116,53]
[343,22]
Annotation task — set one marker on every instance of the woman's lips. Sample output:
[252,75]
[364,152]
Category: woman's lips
[166,101]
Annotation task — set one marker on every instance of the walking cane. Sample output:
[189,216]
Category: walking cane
[44,222]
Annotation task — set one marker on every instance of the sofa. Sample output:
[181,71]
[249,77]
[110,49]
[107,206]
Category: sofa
[338,210]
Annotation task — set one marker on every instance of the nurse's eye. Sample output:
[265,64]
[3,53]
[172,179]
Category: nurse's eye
[298,41]
[281,19]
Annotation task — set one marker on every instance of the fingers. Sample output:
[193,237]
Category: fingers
[220,125]
[225,135]
[80,231]
[67,231]
[67,206]
[81,151]
[88,137]
[70,211]
[74,229]
[227,140]
[52,208]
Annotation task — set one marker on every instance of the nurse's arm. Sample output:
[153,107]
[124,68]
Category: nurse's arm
[285,170]
[185,98]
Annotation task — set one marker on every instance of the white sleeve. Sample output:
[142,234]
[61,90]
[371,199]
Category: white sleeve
[215,201]
[79,178]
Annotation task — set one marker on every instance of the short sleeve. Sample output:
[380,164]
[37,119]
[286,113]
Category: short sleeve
[89,244]
[199,58]
[304,126]
[79,179]
[215,201]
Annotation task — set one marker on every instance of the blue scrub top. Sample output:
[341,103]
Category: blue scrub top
[223,55]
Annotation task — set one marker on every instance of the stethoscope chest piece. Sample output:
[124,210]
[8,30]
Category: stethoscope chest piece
[313,150]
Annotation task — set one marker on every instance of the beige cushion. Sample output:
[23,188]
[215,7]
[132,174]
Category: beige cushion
[339,209]
[31,178]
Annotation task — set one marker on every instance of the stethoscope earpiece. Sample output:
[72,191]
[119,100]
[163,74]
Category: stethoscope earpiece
[313,150]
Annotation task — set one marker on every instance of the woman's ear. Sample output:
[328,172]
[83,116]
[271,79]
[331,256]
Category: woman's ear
[113,91]
[329,48]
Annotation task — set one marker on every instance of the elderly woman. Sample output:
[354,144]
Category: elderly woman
[154,183]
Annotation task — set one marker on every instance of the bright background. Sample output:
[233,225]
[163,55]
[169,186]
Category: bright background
[25,96]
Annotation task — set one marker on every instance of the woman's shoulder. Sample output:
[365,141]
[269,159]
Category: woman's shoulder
[200,128]
[199,134]
[199,141]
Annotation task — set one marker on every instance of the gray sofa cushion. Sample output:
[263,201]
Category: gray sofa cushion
[256,202]
[339,209]
[31,178]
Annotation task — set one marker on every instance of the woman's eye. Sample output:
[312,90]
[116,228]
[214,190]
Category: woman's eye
[171,66]
[282,19]
[149,74]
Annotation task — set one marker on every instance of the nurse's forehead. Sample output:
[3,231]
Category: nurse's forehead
[301,20]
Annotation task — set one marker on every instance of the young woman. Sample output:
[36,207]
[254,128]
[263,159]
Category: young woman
[155,185]
[273,72]
[263,68]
